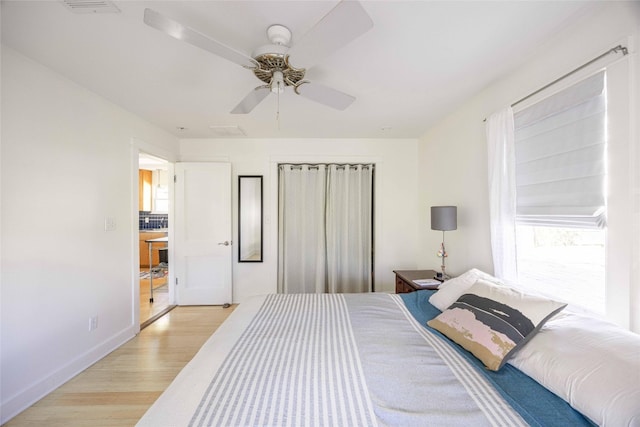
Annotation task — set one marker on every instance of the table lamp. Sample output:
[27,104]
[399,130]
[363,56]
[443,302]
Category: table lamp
[444,218]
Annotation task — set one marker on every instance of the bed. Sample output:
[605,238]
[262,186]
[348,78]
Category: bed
[371,359]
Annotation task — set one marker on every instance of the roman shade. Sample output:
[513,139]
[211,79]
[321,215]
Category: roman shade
[560,158]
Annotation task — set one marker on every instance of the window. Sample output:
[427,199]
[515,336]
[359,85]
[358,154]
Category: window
[560,155]
[566,169]
[161,200]
[565,262]
[160,191]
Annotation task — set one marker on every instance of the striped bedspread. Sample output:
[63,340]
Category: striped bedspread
[295,364]
[328,360]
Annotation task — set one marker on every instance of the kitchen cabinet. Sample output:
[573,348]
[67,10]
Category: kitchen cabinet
[144,190]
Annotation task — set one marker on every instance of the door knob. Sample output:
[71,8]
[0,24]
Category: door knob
[225,243]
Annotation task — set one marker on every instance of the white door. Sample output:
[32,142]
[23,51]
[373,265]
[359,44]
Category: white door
[203,233]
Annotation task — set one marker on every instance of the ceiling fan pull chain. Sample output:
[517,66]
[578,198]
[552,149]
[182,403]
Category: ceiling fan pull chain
[278,107]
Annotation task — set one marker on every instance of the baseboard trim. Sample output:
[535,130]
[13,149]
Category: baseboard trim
[31,394]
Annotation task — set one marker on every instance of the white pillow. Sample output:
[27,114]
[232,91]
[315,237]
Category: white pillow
[450,290]
[592,364]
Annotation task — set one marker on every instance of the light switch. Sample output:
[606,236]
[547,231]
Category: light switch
[109,223]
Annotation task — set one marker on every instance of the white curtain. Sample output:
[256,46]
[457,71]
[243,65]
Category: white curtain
[348,228]
[502,193]
[325,238]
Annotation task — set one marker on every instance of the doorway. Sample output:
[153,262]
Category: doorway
[153,226]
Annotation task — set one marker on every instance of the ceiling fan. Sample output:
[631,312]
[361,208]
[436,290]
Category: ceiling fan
[270,63]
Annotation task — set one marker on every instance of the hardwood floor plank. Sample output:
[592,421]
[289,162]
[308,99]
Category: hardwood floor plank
[160,298]
[117,390]
[102,398]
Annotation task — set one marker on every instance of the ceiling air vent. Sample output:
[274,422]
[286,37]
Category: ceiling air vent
[91,6]
[227,131]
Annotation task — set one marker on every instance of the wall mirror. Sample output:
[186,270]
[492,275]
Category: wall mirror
[250,218]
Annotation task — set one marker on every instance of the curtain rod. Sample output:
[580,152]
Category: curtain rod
[316,165]
[616,49]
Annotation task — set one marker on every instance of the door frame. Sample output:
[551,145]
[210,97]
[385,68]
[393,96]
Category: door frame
[136,147]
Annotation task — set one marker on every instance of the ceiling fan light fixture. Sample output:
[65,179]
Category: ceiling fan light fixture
[277,82]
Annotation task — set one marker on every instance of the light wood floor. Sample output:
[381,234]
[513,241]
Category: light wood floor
[118,389]
[160,298]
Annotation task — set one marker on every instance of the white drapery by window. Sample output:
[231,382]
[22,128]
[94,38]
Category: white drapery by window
[325,220]
[502,193]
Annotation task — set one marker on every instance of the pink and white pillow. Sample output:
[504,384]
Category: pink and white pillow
[493,322]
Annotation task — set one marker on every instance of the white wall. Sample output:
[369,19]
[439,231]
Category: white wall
[454,154]
[66,165]
[396,205]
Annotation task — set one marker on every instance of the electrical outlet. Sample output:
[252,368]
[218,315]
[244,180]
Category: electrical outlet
[93,323]
[109,223]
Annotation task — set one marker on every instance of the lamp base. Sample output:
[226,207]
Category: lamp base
[442,253]
[442,276]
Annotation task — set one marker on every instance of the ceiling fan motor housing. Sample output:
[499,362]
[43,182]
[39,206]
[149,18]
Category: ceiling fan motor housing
[272,58]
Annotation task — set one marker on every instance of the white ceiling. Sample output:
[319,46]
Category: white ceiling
[420,60]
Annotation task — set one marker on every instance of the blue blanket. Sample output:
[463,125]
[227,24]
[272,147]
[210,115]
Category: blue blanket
[537,405]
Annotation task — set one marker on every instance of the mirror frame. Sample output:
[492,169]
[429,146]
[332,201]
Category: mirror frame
[240,215]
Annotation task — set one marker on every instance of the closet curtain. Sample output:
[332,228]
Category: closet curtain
[325,220]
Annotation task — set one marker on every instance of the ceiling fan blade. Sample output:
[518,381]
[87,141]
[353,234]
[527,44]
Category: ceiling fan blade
[341,25]
[186,34]
[250,101]
[325,95]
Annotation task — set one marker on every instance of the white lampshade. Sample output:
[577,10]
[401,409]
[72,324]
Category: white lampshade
[444,218]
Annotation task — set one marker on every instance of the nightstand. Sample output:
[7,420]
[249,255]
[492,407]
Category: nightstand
[405,278]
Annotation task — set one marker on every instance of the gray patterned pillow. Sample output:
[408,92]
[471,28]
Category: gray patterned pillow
[493,322]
